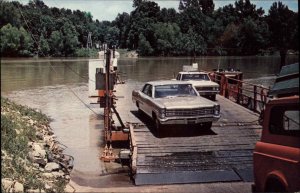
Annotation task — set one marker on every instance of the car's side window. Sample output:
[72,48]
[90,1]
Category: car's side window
[291,120]
[284,120]
[150,91]
[147,90]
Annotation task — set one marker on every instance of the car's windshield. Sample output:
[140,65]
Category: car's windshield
[174,90]
[195,77]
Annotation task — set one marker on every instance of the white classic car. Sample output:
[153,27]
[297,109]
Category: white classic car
[175,102]
[201,82]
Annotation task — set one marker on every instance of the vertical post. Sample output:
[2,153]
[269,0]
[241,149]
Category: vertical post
[107,154]
[238,92]
[107,95]
[114,49]
[89,43]
[255,98]
[222,84]
[226,94]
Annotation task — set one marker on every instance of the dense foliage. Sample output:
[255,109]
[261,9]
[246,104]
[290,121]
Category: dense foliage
[196,29]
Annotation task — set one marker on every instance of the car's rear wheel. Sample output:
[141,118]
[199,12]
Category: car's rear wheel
[274,185]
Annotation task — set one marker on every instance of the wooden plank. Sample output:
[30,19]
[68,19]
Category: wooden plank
[133,149]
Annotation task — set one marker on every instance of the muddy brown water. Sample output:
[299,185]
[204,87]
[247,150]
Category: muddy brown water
[62,94]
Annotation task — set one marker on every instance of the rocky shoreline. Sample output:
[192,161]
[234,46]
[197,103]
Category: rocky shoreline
[32,158]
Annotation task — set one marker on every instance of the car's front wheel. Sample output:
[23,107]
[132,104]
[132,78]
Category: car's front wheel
[157,125]
[138,107]
[207,125]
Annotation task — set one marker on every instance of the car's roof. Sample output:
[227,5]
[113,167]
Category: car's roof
[164,82]
[193,72]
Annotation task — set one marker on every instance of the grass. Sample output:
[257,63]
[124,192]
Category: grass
[17,129]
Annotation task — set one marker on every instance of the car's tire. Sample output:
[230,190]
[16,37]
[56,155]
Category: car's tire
[274,185]
[138,107]
[157,125]
[207,125]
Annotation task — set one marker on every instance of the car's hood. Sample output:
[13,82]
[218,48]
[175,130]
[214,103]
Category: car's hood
[203,83]
[186,102]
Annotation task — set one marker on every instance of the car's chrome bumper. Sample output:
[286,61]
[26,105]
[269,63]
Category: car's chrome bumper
[202,93]
[187,120]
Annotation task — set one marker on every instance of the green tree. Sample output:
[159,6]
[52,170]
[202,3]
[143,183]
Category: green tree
[10,40]
[9,13]
[26,43]
[229,39]
[144,15]
[70,38]
[282,24]
[252,36]
[15,41]
[166,34]
[112,36]
[245,9]
[122,23]
[56,43]
[144,48]
[44,46]
[168,15]
[205,6]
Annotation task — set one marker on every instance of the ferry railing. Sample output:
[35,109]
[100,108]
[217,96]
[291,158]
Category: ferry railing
[251,96]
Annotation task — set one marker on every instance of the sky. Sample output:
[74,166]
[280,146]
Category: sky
[109,9]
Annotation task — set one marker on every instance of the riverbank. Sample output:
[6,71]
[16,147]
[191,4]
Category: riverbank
[32,159]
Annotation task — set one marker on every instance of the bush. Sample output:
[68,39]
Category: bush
[84,52]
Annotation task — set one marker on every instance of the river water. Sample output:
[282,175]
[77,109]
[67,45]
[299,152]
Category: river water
[59,88]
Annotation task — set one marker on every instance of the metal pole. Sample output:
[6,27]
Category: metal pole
[114,49]
[255,98]
[107,94]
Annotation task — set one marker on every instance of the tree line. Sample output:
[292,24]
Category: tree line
[197,28]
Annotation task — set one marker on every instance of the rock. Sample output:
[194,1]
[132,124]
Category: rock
[52,166]
[50,156]
[35,158]
[48,175]
[31,122]
[17,131]
[58,174]
[7,183]
[51,133]
[18,187]
[38,151]
[39,136]
[47,187]
[69,188]
[30,144]
[41,162]
[33,190]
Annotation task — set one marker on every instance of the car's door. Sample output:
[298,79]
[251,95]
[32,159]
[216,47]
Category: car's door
[146,96]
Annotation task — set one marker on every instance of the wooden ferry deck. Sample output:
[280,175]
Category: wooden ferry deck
[190,154]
